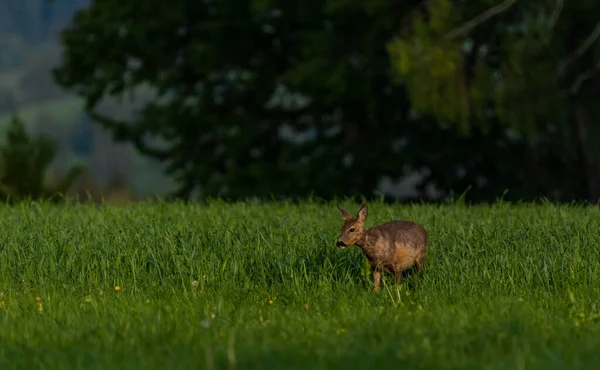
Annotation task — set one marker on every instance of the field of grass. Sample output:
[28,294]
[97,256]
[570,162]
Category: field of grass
[504,287]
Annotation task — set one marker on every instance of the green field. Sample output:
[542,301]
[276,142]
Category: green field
[504,287]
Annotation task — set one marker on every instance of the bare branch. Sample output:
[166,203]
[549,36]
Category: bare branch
[582,77]
[587,43]
[556,13]
[467,27]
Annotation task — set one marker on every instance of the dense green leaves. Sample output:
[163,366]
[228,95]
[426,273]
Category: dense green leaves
[431,56]
[523,65]
[241,83]
[265,97]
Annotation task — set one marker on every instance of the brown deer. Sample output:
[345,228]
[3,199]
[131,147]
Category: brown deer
[391,247]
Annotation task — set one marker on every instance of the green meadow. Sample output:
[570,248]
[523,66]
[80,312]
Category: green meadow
[262,286]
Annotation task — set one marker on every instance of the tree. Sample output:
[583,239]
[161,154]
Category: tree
[23,165]
[253,97]
[519,71]
[261,97]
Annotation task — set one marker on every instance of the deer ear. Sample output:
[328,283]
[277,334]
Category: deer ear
[345,215]
[362,213]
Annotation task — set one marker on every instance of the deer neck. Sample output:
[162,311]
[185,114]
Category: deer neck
[368,246]
[364,243]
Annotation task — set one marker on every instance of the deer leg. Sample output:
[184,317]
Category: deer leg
[398,277]
[419,263]
[377,279]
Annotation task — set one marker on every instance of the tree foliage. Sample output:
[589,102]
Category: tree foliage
[23,164]
[528,67]
[261,97]
[253,97]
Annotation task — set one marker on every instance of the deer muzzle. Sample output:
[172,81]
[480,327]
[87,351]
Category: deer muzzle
[340,244]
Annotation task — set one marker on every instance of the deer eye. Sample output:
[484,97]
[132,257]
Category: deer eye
[351,230]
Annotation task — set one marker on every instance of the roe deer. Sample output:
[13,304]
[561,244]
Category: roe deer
[391,247]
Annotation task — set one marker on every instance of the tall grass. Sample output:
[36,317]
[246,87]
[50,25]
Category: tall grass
[263,286]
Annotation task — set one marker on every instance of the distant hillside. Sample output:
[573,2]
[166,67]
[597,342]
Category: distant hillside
[28,50]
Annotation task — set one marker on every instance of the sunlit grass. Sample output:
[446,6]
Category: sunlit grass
[174,286]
